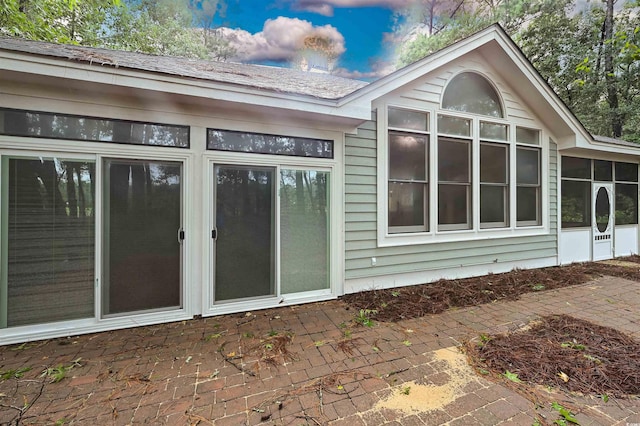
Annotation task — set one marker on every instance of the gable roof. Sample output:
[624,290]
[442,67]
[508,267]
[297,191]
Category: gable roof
[282,80]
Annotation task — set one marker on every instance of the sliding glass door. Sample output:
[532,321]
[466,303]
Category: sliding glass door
[142,236]
[48,221]
[270,231]
[244,232]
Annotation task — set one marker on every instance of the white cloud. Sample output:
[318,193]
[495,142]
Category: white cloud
[326,7]
[378,70]
[279,39]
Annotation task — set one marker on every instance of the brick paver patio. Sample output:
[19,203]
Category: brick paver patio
[300,365]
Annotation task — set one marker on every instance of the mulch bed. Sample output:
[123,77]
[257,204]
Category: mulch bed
[557,351]
[392,305]
[565,353]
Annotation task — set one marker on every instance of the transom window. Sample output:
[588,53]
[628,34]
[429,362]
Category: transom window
[470,92]
[480,173]
[36,124]
[259,143]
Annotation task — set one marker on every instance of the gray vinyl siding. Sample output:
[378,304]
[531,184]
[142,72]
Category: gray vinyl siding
[361,224]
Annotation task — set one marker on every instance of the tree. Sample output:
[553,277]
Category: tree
[590,57]
[163,27]
[69,21]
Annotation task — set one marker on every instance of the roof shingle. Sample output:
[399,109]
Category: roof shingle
[281,80]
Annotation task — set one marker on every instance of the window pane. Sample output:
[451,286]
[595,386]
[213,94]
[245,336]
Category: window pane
[63,126]
[493,205]
[50,257]
[579,168]
[453,205]
[304,230]
[407,204]
[627,172]
[602,170]
[454,160]
[142,215]
[626,204]
[454,126]
[494,131]
[493,163]
[528,208]
[407,156]
[528,166]
[470,92]
[405,119]
[226,140]
[530,136]
[575,203]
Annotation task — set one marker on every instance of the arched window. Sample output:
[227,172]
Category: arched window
[470,92]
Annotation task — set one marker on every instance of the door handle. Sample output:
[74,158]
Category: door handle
[180,235]
[214,234]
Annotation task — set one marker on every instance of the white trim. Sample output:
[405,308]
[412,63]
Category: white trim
[422,277]
[91,325]
[336,221]
[387,239]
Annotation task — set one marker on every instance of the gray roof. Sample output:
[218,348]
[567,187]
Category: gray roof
[281,80]
[613,141]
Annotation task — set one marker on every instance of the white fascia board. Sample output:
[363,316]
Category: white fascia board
[146,80]
[411,72]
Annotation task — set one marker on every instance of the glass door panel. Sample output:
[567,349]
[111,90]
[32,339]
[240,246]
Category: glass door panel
[48,249]
[142,220]
[244,234]
[304,230]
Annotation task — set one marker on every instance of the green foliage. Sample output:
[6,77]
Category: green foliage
[565,415]
[13,373]
[565,45]
[364,317]
[512,376]
[162,27]
[59,372]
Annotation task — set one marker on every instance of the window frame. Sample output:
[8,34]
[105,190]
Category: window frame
[427,225]
[506,185]
[387,238]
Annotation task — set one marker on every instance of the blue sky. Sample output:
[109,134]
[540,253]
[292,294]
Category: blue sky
[270,31]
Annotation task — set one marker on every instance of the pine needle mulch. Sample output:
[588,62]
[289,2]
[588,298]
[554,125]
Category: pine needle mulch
[562,352]
[392,305]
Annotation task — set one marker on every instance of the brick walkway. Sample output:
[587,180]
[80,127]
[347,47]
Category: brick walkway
[299,365]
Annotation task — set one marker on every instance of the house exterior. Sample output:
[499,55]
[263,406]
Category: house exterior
[138,190]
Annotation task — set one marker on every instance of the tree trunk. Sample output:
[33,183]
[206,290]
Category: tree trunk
[610,78]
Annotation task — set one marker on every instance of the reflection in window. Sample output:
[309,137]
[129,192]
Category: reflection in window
[408,182]
[602,170]
[49,227]
[454,126]
[577,168]
[626,172]
[142,214]
[494,185]
[528,198]
[528,136]
[304,230]
[575,203]
[494,131]
[626,204]
[470,92]
[408,120]
[72,127]
[227,140]
[454,184]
